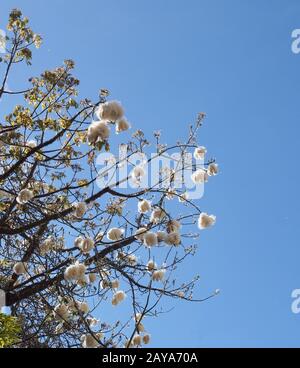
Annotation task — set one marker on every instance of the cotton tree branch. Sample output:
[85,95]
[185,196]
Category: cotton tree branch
[69,247]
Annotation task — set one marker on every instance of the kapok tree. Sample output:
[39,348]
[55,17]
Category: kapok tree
[72,247]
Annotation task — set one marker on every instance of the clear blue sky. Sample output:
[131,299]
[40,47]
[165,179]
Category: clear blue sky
[167,60]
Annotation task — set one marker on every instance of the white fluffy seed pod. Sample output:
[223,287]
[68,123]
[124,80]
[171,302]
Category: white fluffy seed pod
[212,169]
[59,329]
[86,245]
[150,239]
[80,269]
[98,131]
[173,225]
[20,268]
[80,209]
[118,297]
[78,241]
[128,344]
[71,273]
[158,275]
[122,125]
[146,339]
[114,301]
[140,327]
[115,234]
[44,249]
[200,176]
[93,322]
[139,234]
[138,317]
[205,221]
[157,215]
[161,236]
[61,312]
[82,307]
[75,272]
[31,144]
[99,236]
[144,206]
[82,281]
[105,284]
[89,341]
[131,259]
[111,111]
[115,284]
[47,245]
[173,238]
[137,173]
[137,340]
[92,277]
[151,265]
[199,153]
[24,196]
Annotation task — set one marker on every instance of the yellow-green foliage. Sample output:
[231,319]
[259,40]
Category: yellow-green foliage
[9,330]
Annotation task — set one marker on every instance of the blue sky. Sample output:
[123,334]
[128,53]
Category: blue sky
[167,60]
